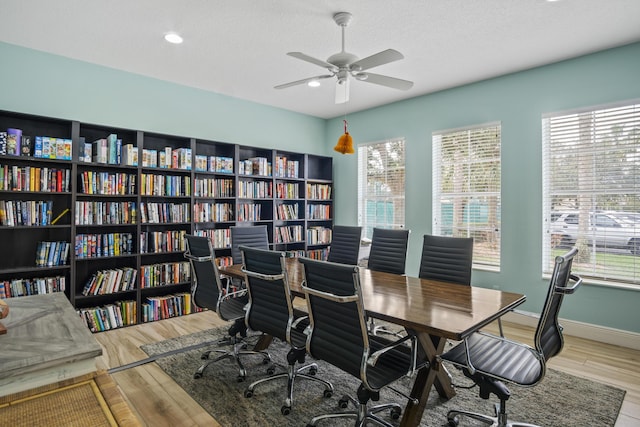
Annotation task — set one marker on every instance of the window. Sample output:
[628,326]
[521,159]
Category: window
[591,191]
[381,185]
[466,189]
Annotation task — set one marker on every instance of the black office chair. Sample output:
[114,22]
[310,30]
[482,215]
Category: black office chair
[345,244]
[254,236]
[270,311]
[388,254]
[339,336]
[447,258]
[208,292]
[489,359]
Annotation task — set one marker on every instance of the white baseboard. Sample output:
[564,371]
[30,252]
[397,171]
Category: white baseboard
[582,330]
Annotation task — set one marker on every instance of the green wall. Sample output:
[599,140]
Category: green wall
[518,102]
[49,85]
[39,83]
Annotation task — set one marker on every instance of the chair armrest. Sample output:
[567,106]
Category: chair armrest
[570,289]
[238,293]
[373,358]
[269,277]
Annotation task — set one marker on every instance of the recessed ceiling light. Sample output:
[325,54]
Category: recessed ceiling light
[314,83]
[173,38]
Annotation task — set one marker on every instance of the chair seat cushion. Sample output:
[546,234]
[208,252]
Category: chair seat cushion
[390,367]
[499,358]
[233,308]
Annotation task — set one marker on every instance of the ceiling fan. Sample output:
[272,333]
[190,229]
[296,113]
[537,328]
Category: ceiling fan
[344,65]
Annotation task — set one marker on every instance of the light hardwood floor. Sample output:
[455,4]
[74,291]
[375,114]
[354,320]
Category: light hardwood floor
[158,401]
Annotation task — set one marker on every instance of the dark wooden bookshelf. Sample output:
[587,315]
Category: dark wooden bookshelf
[223,167]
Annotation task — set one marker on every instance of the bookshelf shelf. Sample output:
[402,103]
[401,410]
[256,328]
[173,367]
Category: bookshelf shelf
[146,190]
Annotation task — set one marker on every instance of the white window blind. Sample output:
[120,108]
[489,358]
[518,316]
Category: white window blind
[591,191]
[381,183]
[466,188]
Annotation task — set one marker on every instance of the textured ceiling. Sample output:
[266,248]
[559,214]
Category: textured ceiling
[238,47]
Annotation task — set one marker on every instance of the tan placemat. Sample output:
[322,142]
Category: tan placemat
[84,401]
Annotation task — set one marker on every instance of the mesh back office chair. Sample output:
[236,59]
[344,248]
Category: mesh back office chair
[447,258]
[489,359]
[208,292]
[339,336]
[388,254]
[270,311]
[345,244]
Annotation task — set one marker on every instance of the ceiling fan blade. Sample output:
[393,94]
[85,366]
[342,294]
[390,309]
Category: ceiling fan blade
[303,81]
[342,91]
[380,58]
[313,60]
[391,82]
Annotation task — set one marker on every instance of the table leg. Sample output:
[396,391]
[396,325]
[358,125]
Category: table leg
[263,342]
[432,375]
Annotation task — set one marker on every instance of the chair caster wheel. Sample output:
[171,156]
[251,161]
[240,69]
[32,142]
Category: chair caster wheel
[327,393]
[271,370]
[205,356]
[453,422]
[343,403]
[266,360]
[395,413]
[197,375]
[248,393]
[285,410]
[313,371]
[240,379]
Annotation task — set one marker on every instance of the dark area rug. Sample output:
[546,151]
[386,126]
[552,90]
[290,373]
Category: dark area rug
[560,400]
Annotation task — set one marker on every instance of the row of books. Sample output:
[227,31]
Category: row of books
[289,234]
[287,212]
[318,235]
[49,254]
[287,190]
[319,212]
[218,164]
[32,178]
[111,281]
[103,150]
[162,241]
[110,316]
[320,254]
[224,261]
[249,212]
[163,213]
[255,166]
[255,189]
[319,191]
[284,168]
[25,212]
[168,158]
[33,286]
[14,143]
[164,307]
[105,213]
[108,183]
[220,238]
[168,273]
[165,185]
[213,212]
[103,245]
[213,187]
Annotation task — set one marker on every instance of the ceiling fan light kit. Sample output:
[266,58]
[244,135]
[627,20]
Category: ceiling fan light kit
[344,65]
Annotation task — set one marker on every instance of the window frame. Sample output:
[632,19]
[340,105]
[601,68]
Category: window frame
[548,228]
[362,185]
[438,192]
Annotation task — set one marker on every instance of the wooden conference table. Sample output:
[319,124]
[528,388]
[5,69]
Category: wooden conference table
[432,310]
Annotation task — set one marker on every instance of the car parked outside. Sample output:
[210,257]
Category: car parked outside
[610,229]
